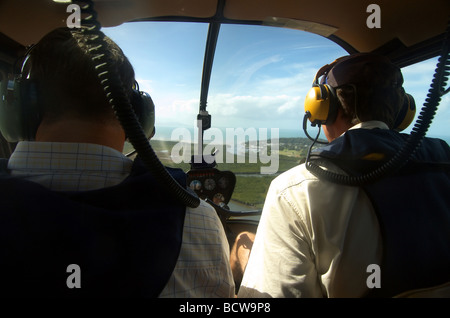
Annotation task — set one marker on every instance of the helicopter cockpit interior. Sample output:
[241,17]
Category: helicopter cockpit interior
[228,79]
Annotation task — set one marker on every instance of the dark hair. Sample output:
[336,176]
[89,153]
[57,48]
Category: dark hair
[67,83]
[378,97]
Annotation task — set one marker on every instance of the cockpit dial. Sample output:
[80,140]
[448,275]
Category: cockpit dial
[210,184]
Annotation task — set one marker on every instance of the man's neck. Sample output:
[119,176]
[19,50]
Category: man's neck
[80,131]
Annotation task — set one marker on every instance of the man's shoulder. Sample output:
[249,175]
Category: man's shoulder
[298,176]
[290,183]
[204,208]
[204,215]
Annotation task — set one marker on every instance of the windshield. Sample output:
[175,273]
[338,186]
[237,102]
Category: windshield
[259,80]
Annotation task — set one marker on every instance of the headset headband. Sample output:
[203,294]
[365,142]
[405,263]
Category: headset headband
[347,70]
[20,72]
[324,70]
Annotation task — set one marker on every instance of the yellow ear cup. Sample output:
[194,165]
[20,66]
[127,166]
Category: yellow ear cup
[317,103]
[407,113]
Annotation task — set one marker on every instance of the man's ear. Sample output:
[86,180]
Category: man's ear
[339,126]
[345,118]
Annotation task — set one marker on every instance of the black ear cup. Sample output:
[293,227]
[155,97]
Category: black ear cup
[26,101]
[19,111]
[145,111]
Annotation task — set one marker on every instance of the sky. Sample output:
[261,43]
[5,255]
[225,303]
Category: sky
[260,75]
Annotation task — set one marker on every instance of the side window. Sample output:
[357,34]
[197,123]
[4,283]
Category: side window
[417,81]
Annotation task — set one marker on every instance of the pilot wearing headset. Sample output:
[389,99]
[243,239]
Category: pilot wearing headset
[319,238]
[69,195]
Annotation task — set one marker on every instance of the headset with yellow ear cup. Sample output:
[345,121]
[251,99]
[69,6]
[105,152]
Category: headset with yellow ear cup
[407,112]
[321,103]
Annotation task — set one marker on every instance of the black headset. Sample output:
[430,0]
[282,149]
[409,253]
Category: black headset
[21,112]
[321,102]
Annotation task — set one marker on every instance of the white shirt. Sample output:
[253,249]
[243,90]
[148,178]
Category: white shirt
[315,239]
[202,268]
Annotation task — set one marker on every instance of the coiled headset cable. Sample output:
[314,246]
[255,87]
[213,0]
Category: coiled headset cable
[402,157]
[120,103]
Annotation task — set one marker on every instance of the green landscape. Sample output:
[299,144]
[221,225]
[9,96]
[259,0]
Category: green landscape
[251,185]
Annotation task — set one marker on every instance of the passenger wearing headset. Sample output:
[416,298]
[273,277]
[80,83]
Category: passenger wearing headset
[69,195]
[318,238]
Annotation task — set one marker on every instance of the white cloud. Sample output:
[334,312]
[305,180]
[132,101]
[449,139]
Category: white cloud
[254,111]
[267,101]
[291,103]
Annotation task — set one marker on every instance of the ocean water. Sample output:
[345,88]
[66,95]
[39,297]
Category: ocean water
[165,133]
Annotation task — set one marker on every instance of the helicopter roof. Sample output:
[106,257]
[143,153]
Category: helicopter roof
[407,32]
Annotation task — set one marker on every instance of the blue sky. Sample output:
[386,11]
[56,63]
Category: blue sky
[259,79]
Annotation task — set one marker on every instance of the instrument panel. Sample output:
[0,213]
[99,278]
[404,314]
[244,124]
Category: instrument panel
[216,185]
